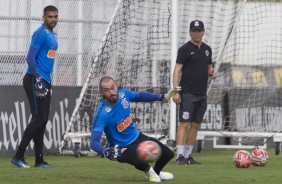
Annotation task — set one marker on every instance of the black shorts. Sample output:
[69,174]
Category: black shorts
[192,108]
[130,153]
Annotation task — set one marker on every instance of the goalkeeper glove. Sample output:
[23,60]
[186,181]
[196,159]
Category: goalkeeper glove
[171,92]
[40,87]
[112,153]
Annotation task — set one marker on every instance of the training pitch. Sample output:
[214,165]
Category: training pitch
[216,167]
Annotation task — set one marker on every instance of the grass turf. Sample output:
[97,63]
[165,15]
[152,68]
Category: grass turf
[216,167]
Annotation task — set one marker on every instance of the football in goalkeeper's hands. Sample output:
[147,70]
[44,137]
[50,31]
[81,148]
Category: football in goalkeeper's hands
[259,157]
[149,151]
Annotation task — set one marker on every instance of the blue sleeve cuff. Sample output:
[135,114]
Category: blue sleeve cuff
[95,142]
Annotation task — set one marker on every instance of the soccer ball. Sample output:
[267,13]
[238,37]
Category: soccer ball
[149,151]
[242,159]
[260,157]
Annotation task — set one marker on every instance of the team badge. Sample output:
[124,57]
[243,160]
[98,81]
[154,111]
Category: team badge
[108,109]
[121,94]
[196,23]
[207,53]
[185,115]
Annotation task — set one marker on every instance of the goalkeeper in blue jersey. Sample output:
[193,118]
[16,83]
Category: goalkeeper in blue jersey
[37,85]
[113,117]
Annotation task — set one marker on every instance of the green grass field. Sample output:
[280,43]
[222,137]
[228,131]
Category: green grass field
[217,167]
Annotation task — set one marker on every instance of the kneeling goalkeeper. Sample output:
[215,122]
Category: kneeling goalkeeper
[113,116]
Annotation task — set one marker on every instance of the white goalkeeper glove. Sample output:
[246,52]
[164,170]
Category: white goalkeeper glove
[171,92]
[40,87]
[112,153]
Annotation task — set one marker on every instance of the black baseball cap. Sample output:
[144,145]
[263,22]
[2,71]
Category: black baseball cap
[197,25]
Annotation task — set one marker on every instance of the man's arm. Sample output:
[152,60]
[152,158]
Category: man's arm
[176,81]
[212,72]
[40,86]
[32,53]
[38,39]
[176,75]
[95,142]
[111,153]
[148,97]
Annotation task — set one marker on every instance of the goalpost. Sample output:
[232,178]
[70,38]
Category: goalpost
[134,51]
[244,103]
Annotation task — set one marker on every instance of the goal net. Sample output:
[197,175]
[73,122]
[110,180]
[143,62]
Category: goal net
[250,71]
[246,40]
[135,51]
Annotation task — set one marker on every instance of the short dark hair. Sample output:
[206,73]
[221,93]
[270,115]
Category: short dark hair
[49,8]
[105,79]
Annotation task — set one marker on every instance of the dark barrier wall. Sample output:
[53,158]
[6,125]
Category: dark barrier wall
[256,110]
[15,115]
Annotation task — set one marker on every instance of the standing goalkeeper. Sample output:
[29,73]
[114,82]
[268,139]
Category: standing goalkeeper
[37,85]
[113,116]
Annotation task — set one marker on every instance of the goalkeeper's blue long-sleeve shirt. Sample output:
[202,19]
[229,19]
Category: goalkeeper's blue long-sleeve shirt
[42,53]
[116,119]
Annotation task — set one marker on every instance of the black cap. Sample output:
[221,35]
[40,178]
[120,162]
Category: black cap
[197,25]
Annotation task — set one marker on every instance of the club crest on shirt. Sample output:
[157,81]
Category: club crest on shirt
[207,53]
[108,109]
[121,94]
[185,115]
[124,103]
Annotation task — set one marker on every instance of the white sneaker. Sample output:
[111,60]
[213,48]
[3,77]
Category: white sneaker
[166,176]
[151,175]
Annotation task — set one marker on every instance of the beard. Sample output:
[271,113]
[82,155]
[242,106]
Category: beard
[112,99]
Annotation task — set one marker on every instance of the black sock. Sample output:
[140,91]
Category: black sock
[20,153]
[39,158]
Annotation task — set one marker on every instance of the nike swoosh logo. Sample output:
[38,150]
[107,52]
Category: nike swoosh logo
[192,52]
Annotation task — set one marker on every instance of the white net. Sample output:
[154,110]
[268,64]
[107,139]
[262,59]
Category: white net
[249,85]
[136,51]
